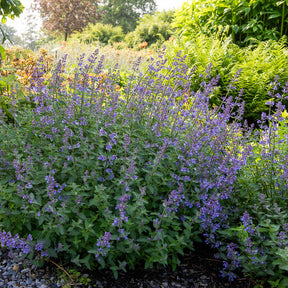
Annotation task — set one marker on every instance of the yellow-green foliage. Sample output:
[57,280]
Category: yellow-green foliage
[245,21]
[265,171]
[153,29]
[16,75]
[259,65]
[23,62]
[104,33]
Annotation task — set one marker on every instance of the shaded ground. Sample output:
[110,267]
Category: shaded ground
[199,269]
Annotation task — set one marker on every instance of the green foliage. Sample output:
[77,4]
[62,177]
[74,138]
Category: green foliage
[72,276]
[261,194]
[50,38]
[265,172]
[104,33]
[9,9]
[261,245]
[246,21]
[10,35]
[2,54]
[10,88]
[153,29]
[130,39]
[77,227]
[259,66]
[126,13]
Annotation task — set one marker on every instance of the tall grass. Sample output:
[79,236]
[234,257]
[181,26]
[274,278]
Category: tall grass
[124,58]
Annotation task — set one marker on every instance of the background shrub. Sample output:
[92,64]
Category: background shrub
[18,69]
[256,67]
[246,21]
[153,29]
[103,33]
[24,62]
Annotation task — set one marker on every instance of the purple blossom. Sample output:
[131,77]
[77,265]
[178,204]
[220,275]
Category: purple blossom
[122,206]
[102,132]
[104,241]
[108,147]
[175,198]
[44,254]
[248,223]
[102,158]
[39,246]
[116,222]
[113,137]
[282,239]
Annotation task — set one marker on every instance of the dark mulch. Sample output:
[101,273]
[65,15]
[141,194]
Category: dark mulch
[198,269]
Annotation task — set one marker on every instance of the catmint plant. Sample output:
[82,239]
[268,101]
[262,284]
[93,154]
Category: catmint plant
[258,220]
[110,178]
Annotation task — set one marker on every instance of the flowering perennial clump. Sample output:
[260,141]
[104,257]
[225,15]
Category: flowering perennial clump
[108,177]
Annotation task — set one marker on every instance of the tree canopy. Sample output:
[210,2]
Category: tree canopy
[67,16]
[126,13]
[9,9]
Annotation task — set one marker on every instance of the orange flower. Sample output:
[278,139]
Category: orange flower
[143,45]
